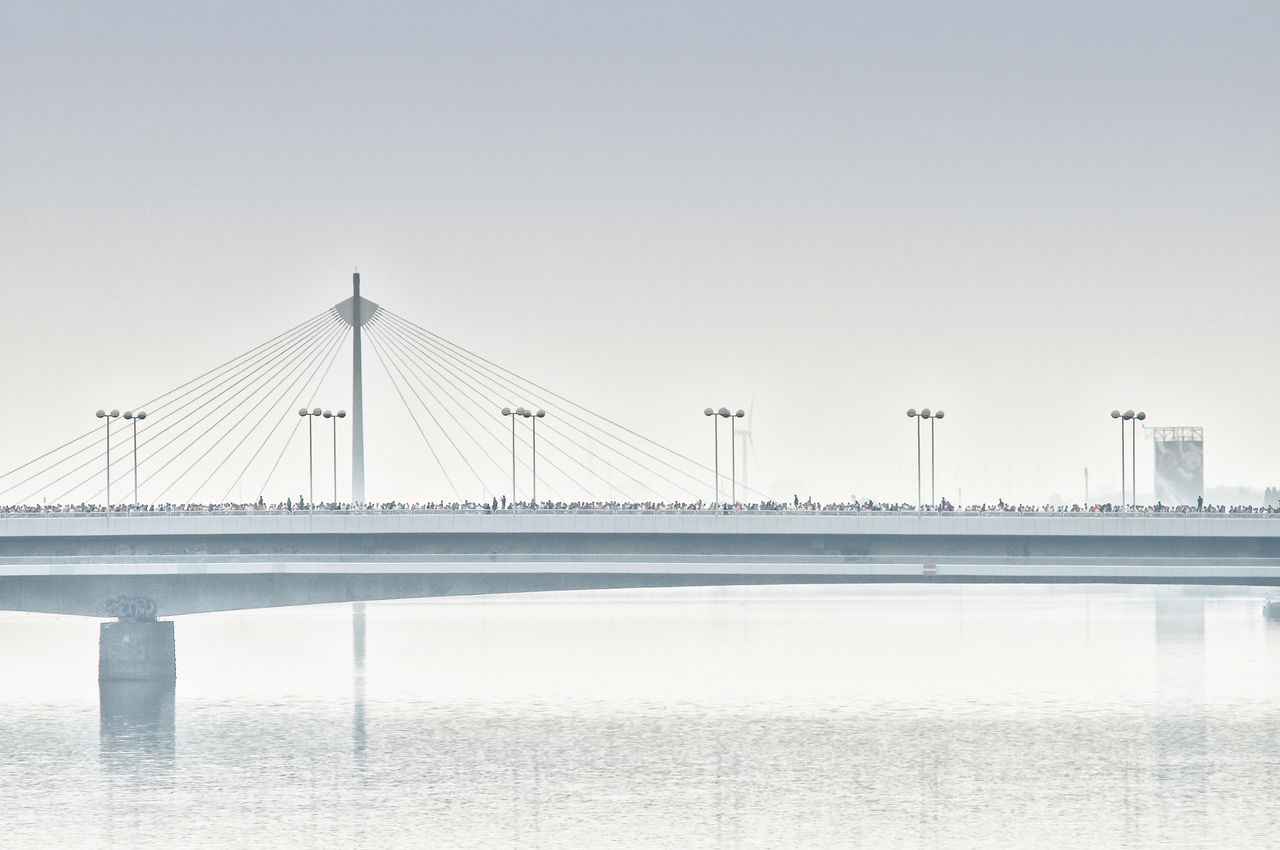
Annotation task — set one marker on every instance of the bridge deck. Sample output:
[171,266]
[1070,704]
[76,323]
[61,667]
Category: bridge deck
[626,522]
[188,563]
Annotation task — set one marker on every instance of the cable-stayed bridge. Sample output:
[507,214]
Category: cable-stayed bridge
[239,421]
[233,433]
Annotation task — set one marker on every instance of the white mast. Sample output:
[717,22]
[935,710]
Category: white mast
[357,312]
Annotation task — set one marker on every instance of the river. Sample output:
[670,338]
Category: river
[872,716]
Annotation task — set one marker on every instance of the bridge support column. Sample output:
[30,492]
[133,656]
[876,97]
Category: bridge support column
[137,650]
[1271,609]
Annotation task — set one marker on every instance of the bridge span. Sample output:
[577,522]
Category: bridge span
[189,563]
[139,566]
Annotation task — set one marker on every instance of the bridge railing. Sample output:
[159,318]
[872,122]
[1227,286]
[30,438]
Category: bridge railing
[476,511]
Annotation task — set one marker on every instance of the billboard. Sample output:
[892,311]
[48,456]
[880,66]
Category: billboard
[1179,465]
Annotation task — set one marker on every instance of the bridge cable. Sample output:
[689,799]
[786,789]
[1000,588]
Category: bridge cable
[423,331]
[282,357]
[293,432]
[480,373]
[93,431]
[485,425]
[475,361]
[412,416]
[398,363]
[453,369]
[389,338]
[298,423]
[285,412]
[116,428]
[478,399]
[277,403]
[250,381]
[253,380]
[313,354]
[393,336]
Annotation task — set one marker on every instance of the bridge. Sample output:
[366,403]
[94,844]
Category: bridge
[213,433]
[168,564]
[186,563]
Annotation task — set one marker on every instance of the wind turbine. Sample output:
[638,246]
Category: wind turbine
[745,435]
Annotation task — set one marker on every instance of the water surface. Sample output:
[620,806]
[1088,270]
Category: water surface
[774,717]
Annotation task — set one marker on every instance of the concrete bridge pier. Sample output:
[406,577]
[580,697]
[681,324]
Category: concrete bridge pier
[137,727]
[137,651]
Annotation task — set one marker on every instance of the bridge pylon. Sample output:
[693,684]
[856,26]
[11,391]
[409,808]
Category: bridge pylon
[356,312]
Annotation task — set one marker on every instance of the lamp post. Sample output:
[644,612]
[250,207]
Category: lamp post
[114,414]
[715,427]
[311,454]
[733,455]
[1115,414]
[519,411]
[135,416]
[341,414]
[912,414]
[934,417]
[1133,444]
[533,416]
[1128,416]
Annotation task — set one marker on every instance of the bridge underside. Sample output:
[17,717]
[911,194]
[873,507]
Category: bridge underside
[171,574]
[88,595]
[851,548]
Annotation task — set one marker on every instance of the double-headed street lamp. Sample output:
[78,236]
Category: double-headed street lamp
[1133,444]
[1115,414]
[1129,416]
[912,413]
[733,453]
[311,454]
[723,413]
[513,413]
[533,416]
[135,416]
[933,466]
[329,414]
[715,427]
[114,414]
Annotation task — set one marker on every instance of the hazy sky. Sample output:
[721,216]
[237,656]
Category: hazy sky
[1026,214]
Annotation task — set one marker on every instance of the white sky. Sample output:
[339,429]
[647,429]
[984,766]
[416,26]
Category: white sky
[1024,215]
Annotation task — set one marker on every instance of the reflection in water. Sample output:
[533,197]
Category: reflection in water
[358,741]
[779,718]
[136,725]
[1180,726]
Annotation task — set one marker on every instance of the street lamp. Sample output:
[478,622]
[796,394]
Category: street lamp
[534,416]
[1115,414]
[311,454]
[114,414]
[733,455]
[1129,416]
[135,416]
[341,414]
[519,411]
[715,427]
[912,414]
[938,414]
[1133,442]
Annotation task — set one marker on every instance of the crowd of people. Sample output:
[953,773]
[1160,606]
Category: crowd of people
[500,504]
